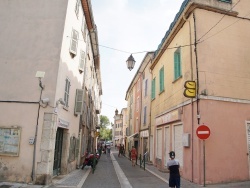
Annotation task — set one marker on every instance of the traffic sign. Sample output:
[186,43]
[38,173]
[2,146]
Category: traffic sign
[203,132]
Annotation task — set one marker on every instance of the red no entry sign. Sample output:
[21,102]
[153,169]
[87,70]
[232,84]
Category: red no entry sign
[203,132]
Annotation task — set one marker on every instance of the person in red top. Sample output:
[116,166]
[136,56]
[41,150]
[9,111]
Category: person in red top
[133,155]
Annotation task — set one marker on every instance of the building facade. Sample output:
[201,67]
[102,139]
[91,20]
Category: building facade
[43,79]
[207,43]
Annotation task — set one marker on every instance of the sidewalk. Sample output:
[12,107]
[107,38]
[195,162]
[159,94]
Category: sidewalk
[76,179]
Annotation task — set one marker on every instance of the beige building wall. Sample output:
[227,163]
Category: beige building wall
[39,37]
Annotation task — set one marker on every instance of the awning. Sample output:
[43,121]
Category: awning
[133,135]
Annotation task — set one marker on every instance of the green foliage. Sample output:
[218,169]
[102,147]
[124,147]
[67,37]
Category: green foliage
[104,121]
[105,132]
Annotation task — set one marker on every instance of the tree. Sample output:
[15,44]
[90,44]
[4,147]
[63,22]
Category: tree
[105,132]
[104,121]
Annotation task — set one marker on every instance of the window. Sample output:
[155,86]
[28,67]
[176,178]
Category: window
[137,104]
[82,61]
[177,64]
[74,42]
[161,73]
[153,89]
[84,28]
[226,1]
[66,92]
[145,115]
[79,101]
[146,88]
[77,8]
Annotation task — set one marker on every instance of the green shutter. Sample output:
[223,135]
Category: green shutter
[177,64]
[161,79]
[153,89]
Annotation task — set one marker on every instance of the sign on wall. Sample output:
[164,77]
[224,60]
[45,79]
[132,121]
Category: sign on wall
[9,141]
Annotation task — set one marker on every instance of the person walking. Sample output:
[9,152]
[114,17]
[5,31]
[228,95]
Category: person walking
[173,166]
[133,154]
[120,150]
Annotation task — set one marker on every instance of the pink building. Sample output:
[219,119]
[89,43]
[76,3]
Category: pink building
[208,42]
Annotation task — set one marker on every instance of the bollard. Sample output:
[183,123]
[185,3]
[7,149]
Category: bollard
[144,161]
[140,160]
[94,163]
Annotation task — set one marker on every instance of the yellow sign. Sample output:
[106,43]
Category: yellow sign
[190,89]
[97,134]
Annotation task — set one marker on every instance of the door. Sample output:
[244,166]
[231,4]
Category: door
[58,152]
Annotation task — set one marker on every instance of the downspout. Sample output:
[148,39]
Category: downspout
[197,72]
[35,139]
[192,101]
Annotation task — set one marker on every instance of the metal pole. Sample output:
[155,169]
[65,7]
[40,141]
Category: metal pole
[204,162]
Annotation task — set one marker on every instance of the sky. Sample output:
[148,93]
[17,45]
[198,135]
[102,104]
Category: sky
[127,27]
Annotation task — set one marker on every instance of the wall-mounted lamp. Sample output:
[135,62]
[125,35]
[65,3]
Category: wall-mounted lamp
[60,101]
[130,62]
[97,128]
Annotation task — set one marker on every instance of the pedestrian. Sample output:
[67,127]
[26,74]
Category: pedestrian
[120,150]
[173,166]
[133,153]
[123,150]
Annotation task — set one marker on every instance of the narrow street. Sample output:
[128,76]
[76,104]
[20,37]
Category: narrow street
[113,172]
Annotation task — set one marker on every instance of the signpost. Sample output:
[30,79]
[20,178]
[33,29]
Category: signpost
[203,132]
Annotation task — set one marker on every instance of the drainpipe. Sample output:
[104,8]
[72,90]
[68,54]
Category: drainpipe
[35,139]
[197,72]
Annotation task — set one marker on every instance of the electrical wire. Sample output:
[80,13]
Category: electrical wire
[217,22]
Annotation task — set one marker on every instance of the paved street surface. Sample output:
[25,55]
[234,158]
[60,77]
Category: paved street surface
[117,172]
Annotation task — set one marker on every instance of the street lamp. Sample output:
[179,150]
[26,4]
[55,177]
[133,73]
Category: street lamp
[130,62]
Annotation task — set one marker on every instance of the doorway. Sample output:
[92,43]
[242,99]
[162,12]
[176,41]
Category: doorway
[58,152]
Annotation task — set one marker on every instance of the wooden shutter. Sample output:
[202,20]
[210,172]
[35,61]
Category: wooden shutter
[79,101]
[153,89]
[82,60]
[161,79]
[74,42]
[177,65]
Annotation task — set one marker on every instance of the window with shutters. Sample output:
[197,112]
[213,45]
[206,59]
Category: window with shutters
[66,92]
[84,29]
[153,89]
[81,62]
[74,43]
[79,102]
[177,64]
[146,88]
[77,7]
[145,115]
[226,1]
[161,80]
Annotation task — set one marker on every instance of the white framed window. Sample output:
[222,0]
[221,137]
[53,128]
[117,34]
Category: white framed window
[66,92]
[74,42]
[77,7]
[84,29]
[81,61]
[79,101]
